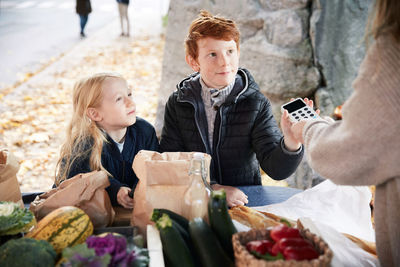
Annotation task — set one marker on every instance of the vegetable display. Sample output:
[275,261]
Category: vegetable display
[284,243]
[14,219]
[66,233]
[196,243]
[27,252]
[63,227]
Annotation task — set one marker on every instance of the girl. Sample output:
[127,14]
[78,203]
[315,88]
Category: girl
[104,134]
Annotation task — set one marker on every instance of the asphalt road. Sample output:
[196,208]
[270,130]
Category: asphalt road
[32,32]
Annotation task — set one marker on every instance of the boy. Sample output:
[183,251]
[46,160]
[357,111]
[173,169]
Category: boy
[220,110]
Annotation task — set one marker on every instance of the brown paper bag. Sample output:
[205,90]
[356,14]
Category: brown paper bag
[163,180]
[9,186]
[85,191]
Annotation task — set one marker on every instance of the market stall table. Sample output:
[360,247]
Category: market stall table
[259,195]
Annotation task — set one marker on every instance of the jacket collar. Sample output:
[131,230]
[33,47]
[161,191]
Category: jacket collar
[189,89]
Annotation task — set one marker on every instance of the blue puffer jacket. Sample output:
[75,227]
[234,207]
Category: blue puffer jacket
[140,135]
[246,134]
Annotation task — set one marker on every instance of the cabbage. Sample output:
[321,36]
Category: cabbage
[14,219]
[108,250]
[27,252]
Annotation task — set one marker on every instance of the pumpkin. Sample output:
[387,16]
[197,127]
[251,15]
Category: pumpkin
[64,227]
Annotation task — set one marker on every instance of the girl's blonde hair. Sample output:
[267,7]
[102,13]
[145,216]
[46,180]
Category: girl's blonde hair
[83,135]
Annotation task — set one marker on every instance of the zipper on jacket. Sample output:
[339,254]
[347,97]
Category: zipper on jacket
[197,123]
[123,171]
[217,146]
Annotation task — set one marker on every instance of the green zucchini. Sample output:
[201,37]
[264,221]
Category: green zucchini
[175,249]
[185,234]
[207,246]
[188,240]
[157,213]
[220,220]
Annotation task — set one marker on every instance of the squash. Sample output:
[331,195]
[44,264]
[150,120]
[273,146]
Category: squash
[64,227]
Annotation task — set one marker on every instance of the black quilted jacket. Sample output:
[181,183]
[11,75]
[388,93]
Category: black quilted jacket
[245,134]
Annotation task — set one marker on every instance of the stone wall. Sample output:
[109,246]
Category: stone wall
[293,48]
[337,34]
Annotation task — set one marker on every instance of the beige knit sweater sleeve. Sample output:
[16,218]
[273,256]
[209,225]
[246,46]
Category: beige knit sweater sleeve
[363,148]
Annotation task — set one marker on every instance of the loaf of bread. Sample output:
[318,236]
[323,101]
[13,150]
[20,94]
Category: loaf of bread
[365,245]
[256,219]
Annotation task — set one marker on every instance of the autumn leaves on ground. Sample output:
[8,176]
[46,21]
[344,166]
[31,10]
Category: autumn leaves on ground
[34,114]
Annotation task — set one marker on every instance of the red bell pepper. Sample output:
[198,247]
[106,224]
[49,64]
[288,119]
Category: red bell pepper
[260,246]
[275,249]
[282,231]
[300,253]
[292,242]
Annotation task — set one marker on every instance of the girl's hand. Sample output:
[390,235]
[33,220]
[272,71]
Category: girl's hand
[234,196]
[123,198]
[293,135]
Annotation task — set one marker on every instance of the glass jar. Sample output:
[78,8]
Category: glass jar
[196,196]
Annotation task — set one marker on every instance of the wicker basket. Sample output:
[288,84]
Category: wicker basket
[244,258]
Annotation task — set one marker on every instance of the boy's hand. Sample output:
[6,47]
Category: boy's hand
[293,134]
[292,143]
[297,130]
[234,196]
[123,198]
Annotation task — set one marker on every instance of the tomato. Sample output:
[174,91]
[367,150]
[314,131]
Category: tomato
[300,253]
[292,242]
[282,231]
[260,246]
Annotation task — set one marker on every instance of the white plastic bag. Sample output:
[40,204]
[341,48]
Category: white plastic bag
[334,209]
[345,252]
[344,208]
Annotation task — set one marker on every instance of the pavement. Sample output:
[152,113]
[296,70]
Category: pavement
[35,112]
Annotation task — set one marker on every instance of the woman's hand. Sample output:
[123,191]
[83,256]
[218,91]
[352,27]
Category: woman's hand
[123,198]
[292,132]
[234,196]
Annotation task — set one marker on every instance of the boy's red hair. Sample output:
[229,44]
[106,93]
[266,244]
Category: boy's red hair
[207,25]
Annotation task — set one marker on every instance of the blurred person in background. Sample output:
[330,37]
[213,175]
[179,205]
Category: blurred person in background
[83,8]
[364,147]
[123,16]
